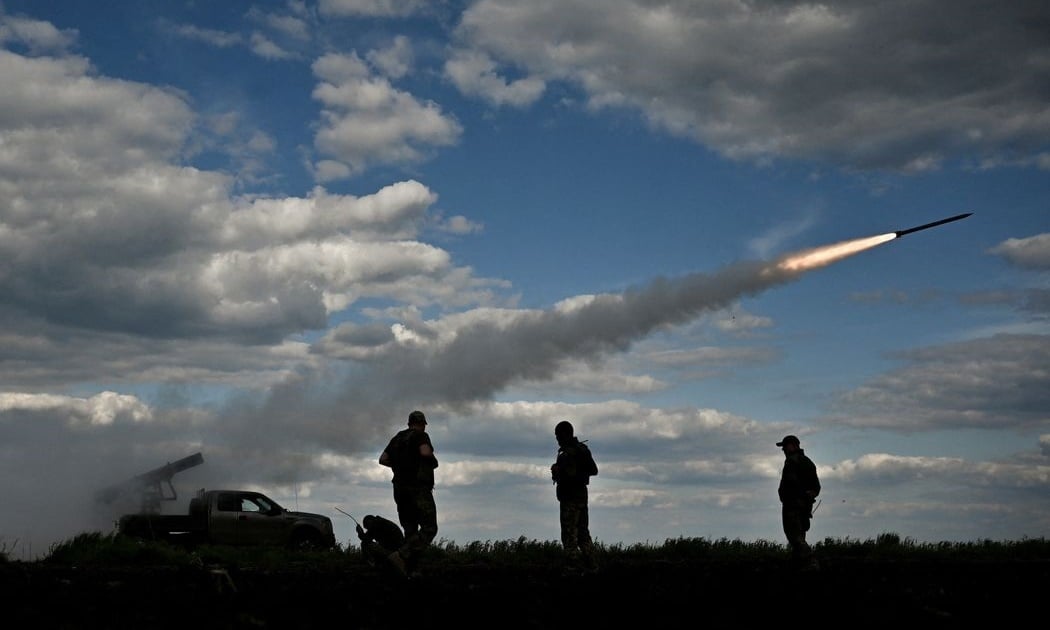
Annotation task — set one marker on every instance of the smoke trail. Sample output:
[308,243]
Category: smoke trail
[489,353]
[466,358]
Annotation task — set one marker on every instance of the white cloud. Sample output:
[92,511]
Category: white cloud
[104,408]
[268,49]
[394,212]
[38,36]
[210,36]
[475,74]
[395,61]
[959,385]
[373,8]
[1032,252]
[290,26]
[92,161]
[367,121]
[459,224]
[789,79]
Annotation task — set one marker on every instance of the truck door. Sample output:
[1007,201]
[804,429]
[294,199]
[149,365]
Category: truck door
[268,521]
[225,526]
[247,518]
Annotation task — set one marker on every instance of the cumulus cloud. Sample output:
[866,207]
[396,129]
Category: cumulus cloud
[395,60]
[291,26]
[210,36]
[475,74]
[276,36]
[1032,252]
[104,230]
[459,224]
[791,79]
[266,48]
[965,384]
[367,121]
[881,469]
[371,8]
[37,36]
[104,408]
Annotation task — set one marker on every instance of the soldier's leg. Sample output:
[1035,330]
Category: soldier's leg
[407,512]
[569,514]
[795,525]
[583,537]
[427,511]
[426,519]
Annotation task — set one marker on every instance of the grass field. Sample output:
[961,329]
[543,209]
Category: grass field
[107,581]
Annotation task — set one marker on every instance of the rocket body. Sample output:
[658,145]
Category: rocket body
[927,226]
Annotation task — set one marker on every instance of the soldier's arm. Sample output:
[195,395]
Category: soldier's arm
[426,451]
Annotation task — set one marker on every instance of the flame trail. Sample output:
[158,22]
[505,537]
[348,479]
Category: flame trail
[827,254]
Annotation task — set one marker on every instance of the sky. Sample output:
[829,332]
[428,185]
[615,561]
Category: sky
[267,231]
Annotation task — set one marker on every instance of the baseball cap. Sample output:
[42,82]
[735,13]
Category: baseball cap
[787,439]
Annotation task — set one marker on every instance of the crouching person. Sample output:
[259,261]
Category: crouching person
[379,538]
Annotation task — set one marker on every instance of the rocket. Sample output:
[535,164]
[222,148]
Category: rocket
[901,233]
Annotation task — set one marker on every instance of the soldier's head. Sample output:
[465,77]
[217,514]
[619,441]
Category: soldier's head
[368,521]
[417,420]
[789,444]
[563,430]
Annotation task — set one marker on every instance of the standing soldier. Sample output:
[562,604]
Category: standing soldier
[798,490]
[571,473]
[411,456]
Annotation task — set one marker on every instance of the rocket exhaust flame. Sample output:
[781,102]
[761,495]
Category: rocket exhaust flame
[823,256]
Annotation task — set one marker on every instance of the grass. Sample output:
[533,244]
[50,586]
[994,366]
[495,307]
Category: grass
[98,549]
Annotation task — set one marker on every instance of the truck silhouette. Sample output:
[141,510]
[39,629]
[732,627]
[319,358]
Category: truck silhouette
[224,517]
[233,517]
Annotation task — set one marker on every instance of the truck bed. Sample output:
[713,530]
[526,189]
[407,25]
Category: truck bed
[164,526]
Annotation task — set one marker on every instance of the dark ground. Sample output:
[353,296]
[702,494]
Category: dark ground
[687,594]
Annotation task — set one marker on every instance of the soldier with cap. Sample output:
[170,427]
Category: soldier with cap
[799,487]
[571,472]
[411,456]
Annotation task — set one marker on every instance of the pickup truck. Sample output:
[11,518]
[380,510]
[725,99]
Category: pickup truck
[233,517]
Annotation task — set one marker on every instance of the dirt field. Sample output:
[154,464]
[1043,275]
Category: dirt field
[656,595]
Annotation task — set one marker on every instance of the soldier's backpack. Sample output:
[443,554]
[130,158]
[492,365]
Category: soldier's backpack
[400,450]
[585,464]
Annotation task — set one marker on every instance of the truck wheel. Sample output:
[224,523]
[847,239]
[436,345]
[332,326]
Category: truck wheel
[305,540]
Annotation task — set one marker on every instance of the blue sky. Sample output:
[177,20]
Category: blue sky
[268,231]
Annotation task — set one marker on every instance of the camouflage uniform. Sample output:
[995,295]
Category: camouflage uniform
[798,489]
[571,473]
